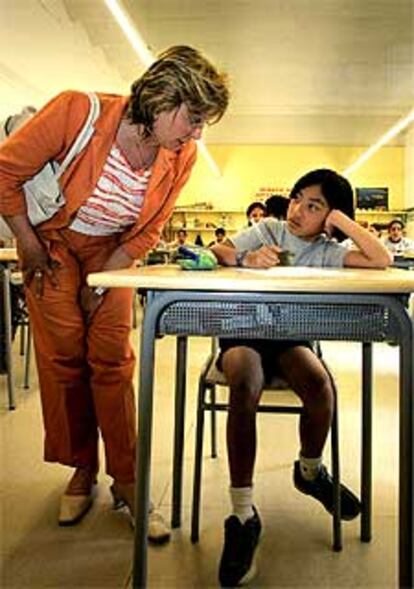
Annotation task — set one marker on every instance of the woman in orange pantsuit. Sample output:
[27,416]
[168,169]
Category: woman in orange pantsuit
[120,190]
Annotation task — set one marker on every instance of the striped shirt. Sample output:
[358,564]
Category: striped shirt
[116,200]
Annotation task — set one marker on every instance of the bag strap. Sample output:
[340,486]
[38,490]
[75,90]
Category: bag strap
[84,135]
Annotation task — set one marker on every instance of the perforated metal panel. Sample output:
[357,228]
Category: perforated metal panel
[279,320]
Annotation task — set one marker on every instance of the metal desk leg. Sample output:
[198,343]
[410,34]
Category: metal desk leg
[8,337]
[406,516]
[366,462]
[180,394]
[143,468]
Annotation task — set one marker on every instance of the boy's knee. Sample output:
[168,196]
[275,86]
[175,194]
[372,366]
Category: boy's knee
[244,399]
[319,393]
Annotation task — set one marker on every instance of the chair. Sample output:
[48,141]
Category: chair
[13,315]
[210,378]
[20,319]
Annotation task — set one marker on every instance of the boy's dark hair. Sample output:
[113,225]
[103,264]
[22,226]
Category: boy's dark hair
[220,231]
[335,188]
[255,205]
[277,206]
[396,222]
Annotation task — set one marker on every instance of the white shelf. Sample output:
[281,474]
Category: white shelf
[201,229]
[210,211]
[379,213]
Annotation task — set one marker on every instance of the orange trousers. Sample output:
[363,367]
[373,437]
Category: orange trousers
[85,370]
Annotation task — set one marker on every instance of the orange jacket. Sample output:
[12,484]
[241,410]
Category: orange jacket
[49,135]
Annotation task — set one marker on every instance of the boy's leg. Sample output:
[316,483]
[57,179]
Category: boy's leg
[244,374]
[307,376]
[242,367]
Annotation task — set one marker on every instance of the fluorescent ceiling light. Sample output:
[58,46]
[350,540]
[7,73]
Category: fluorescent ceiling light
[390,134]
[130,32]
[208,157]
[145,55]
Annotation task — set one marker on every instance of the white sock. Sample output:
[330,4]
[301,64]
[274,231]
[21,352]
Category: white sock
[309,467]
[242,502]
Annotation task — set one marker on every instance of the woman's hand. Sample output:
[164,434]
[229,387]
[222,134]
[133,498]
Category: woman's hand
[36,264]
[34,258]
[90,301]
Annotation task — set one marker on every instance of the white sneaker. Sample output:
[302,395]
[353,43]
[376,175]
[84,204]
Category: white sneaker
[159,531]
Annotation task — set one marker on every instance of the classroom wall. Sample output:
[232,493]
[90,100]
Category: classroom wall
[409,168]
[409,179]
[248,168]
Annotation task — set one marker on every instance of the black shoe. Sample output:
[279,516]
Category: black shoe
[322,490]
[240,542]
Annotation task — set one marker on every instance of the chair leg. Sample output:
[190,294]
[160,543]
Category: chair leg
[5,279]
[213,415]
[336,477]
[22,338]
[336,471]
[366,465]
[198,456]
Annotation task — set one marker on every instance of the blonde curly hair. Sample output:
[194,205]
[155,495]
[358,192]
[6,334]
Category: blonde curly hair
[181,74]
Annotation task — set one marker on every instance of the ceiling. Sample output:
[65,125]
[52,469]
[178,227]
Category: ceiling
[336,72]
[301,71]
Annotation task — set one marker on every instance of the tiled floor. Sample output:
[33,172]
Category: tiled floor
[295,550]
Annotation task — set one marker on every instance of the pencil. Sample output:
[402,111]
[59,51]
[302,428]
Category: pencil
[269,239]
[265,240]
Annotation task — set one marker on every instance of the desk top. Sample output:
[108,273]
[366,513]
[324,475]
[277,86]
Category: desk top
[277,279]
[8,254]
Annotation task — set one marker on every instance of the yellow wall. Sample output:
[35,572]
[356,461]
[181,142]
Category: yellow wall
[247,168]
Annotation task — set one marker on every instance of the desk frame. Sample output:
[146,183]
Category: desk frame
[158,304]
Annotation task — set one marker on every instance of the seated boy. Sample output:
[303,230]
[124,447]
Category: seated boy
[319,214]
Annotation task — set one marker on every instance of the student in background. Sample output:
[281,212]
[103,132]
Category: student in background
[120,192]
[180,239]
[220,235]
[255,212]
[320,209]
[375,229]
[13,122]
[277,206]
[395,241]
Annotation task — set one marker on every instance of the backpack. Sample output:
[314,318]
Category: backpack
[44,196]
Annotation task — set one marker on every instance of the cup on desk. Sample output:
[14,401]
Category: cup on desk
[285,258]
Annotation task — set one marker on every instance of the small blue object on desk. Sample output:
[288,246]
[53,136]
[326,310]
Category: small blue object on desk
[196,258]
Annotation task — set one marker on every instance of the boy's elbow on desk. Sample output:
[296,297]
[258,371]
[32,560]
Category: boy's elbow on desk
[356,259]
[386,260]
[225,254]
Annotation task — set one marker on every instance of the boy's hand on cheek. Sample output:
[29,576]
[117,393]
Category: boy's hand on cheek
[331,221]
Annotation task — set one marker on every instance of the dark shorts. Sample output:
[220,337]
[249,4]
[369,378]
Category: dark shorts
[269,351]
